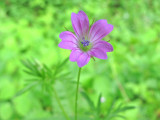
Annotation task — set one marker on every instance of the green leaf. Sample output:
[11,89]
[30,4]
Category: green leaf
[27,88]
[125,108]
[90,103]
[114,116]
[99,104]
[114,111]
[110,108]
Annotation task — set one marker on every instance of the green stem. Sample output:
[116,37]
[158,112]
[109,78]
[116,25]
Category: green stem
[77,93]
[60,105]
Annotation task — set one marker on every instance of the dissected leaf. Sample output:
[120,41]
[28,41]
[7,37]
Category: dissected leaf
[90,103]
[26,89]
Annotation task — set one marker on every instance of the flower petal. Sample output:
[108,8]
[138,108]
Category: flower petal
[99,30]
[67,45]
[68,36]
[80,23]
[83,59]
[103,45]
[75,54]
[69,40]
[98,53]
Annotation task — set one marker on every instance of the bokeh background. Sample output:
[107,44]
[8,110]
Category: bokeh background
[30,29]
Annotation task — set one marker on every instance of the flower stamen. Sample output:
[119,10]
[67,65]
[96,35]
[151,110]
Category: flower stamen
[85,42]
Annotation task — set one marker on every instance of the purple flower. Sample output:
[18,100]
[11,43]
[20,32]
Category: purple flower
[87,42]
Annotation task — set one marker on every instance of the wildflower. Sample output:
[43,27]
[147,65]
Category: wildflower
[87,43]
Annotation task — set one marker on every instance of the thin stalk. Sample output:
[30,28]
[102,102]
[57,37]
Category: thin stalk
[77,93]
[60,105]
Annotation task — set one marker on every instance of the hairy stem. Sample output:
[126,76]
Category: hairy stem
[76,100]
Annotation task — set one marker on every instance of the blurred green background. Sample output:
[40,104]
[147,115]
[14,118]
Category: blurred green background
[31,28]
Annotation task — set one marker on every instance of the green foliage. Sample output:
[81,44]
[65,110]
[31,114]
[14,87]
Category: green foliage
[6,86]
[6,110]
[19,102]
[111,113]
[116,112]
[31,28]
[41,75]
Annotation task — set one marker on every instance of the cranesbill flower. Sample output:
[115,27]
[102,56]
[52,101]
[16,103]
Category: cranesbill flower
[86,43]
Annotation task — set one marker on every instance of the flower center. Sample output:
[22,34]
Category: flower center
[85,42]
[85,45]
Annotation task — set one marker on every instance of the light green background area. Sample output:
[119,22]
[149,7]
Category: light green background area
[30,29]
